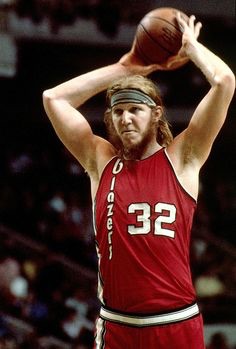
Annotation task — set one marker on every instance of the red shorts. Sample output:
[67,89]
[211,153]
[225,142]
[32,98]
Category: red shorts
[187,334]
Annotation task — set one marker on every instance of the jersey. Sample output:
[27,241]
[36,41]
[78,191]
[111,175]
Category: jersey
[143,219]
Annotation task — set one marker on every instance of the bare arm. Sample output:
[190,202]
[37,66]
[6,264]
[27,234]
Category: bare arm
[62,104]
[72,128]
[195,143]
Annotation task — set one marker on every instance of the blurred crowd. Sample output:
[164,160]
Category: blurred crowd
[66,12]
[38,289]
[44,197]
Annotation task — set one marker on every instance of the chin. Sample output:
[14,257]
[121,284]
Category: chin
[131,142]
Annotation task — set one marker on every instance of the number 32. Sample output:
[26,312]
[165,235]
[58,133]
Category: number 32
[143,217]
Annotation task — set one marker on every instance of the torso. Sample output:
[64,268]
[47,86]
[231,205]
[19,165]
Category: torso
[143,218]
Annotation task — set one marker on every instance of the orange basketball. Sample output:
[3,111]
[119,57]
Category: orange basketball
[158,35]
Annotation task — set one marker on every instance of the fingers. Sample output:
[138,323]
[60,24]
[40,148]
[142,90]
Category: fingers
[181,22]
[191,22]
[198,27]
[183,25]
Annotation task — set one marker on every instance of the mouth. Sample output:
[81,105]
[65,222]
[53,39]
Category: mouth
[127,131]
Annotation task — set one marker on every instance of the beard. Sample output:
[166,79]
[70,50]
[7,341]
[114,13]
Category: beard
[129,151]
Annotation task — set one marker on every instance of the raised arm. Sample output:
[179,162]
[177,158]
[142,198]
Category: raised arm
[195,143]
[62,104]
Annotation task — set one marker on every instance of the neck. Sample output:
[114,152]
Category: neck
[151,149]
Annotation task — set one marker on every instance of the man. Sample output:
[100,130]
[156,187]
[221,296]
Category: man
[144,187]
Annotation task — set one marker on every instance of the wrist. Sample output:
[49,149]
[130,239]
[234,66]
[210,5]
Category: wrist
[191,48]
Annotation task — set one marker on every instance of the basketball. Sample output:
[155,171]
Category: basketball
[158,35]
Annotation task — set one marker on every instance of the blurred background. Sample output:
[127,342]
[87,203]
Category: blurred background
[48,265]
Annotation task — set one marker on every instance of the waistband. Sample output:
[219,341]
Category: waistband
[150,320]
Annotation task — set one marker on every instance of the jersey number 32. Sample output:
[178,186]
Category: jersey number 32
[166,214]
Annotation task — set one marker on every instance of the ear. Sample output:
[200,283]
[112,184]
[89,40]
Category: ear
[157,113]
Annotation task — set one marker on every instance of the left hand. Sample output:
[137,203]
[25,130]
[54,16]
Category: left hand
[190,33]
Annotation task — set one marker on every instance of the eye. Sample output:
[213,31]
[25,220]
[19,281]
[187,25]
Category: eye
[134,109]
[117,112]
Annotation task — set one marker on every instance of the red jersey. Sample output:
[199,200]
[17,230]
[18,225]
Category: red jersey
[143,219]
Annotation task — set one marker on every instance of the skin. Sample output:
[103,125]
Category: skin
[188,151]
[135,125]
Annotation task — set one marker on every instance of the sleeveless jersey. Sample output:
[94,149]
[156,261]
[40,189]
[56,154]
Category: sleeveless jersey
[143,219]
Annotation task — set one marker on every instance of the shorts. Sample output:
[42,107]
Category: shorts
[186,334]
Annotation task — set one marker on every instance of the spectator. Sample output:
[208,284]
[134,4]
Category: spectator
[218,341]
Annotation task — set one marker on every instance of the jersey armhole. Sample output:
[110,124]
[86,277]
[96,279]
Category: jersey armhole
[102,174]
[176,176]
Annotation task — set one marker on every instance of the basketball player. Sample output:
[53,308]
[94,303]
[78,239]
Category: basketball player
[144,186]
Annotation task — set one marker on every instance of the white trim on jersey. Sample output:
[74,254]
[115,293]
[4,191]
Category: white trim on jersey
[171,163]
[141,321]
[99,286]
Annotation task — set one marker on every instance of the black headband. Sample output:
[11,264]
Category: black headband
[129,95]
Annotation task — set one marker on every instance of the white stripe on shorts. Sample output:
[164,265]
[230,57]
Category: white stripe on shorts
[100,333]
[139,321]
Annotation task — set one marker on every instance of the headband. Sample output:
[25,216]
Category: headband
[129,95]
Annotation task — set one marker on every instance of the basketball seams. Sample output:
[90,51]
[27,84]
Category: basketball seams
[155,41]
[162,20]
[144,56]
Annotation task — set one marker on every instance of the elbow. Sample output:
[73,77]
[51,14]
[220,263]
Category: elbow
[229,79]
[232,81]
[49,101]
[48,97]
[227,82]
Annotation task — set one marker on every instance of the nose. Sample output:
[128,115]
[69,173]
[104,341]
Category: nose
[126,118]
